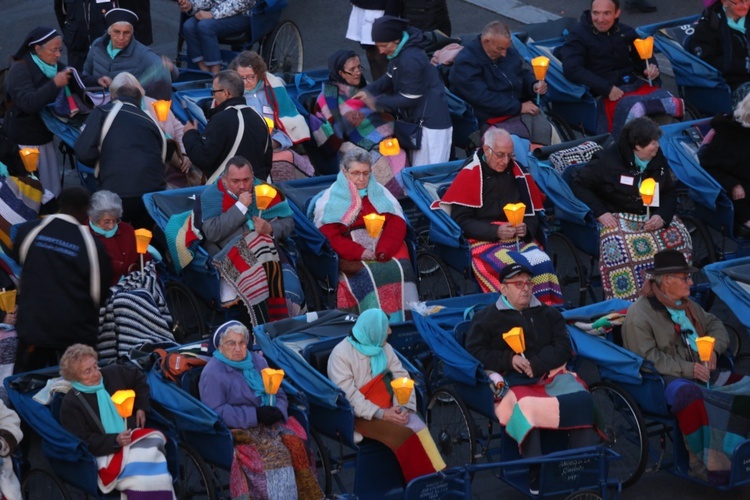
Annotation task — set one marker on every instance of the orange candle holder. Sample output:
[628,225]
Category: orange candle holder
[402,389]
[264,195]
[515,339]
[162,107]
[142,240]
[389,147]
[645,48]
[540,65]
[124,400]
[515,212]
[30,158]
[8,300]
[705,347]
[269,124]
[647,190]
[272,382]
[374,224]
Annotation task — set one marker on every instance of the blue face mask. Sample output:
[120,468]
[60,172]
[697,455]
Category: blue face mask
[98,230]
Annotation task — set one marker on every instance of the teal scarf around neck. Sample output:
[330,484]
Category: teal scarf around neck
[679,317]
[112,422]
[738,25]
[112,51]
[252,376]
[641,164]
[49,70]
[400,45]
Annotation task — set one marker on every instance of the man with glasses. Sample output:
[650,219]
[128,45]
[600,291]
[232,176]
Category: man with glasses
[233,129]
[527,407]
[489,181]
[721,40]
[491,75]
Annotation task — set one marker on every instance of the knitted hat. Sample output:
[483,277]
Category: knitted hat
[388,28]
[118,15]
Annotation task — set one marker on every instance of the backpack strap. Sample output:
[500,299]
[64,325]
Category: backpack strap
[235,146]
[116,107]
[90,410]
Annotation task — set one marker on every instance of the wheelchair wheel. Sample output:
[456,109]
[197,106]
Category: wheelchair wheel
[187,319]
[569,269]
[41,484]
[309,288]
[283,50]
[584,495]
[434,280]
[563,129]
[452,427]
[735,341]
[620,422]
[322,462]
[195,479]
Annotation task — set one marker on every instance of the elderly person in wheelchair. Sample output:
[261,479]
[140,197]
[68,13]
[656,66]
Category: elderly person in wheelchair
[270,456]
[363,366]
[542,394]
[489,181]
[664,326]
[374,267]
[88,412]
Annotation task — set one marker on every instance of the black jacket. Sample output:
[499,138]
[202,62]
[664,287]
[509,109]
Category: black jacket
[725,157]
[28,91]
[427,15]
[547,340]
[391,7]
[601,60]
[411,87]
[720,46]
[131,162]
[209,150]
[599,183]
[76,418]
[56,309]
[81,22]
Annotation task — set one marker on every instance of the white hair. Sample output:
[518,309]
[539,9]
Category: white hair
[742,112]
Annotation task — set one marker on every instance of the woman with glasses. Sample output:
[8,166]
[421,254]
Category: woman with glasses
[35,80]
[340,123]
[629,234]
[489,181]
[266,93]
[270,455]
[374,266]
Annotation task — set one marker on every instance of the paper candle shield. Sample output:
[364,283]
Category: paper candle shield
[272,379]
[8,300]
[142,239]
[374,224]
[645,47]
[648,186]
[30,158]
[124,401]
[540,65]
[402,388]
[514,338]
[162,109]
[705,347]
[389,147]
[514,212]
[269,124]
[264,195]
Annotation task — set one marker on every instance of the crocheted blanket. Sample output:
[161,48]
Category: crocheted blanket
[286,116]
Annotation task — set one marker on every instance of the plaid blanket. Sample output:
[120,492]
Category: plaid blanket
[713,421]
[559,400]
[627,252]
[271,462]
[139,470]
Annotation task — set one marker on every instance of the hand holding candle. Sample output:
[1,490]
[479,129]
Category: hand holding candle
[645,48]
[272,382]
[540,65]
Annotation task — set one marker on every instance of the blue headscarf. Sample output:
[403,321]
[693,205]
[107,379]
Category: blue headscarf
[112,422]
[251,374]
[370,332]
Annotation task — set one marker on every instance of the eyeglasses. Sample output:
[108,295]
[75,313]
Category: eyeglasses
[359,174]
[520,284]
[689,277]
[214,91]
[249,78]
[58,50]
[502,156]
[232,344]
[354,70]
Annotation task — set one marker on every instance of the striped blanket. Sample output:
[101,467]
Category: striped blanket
[489,258]
[136,313]
[20,200]
[713,421]
[272,463]
[558,401]
[138,470]
[627,252]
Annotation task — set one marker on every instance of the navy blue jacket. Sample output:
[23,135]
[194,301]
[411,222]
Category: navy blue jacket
[493,88]
[412,88]
[601,60]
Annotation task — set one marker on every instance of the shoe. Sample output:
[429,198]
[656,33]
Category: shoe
[534,470]
[642,5]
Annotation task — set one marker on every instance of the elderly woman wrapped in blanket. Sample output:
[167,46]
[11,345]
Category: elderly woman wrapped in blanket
[374,268]
[340,123]
[489,181]
[88,412]
[363,366]
[270,459]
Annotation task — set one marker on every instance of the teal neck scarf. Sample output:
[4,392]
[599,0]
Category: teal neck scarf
[738,25]
[49,70]
[112,51]
[112,422]
[641,164]
[252,376]
[400,45]
[369,334]
[362,192]
[507,303]
[679,317]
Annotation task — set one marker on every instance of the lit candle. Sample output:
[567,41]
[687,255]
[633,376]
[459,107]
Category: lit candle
[515,339]
[264,195]
[540,65]
[389,147]
[515,212]
[645,48]
[272,382]
[162,109]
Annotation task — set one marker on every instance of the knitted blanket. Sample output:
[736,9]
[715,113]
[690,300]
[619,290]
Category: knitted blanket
[713,421]
[135,314]
[286,116]
[627,252]
[559,400]
[138,470]
[20,200]
[658,102]
[272,462]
